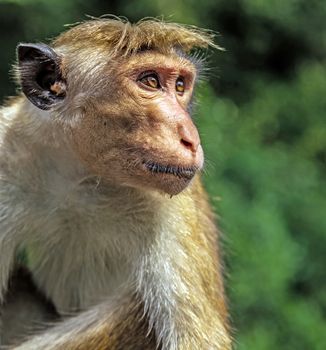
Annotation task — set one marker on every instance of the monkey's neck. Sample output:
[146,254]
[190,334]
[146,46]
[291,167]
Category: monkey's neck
[128,236]
[133,242]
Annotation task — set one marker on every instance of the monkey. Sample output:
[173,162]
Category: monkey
[103,215]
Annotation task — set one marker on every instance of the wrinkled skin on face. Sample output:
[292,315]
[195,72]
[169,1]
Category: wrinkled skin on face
[138,132]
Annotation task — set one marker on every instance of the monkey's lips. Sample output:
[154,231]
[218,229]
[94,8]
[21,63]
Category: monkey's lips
[186,173]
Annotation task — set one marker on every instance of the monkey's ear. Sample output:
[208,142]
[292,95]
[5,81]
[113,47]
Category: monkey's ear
[40,75]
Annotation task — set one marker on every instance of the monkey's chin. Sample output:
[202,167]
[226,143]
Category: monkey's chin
[169,179]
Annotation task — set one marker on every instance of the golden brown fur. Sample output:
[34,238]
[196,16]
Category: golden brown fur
[121,37]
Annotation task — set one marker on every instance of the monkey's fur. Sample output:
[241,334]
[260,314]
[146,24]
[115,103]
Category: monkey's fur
[102,217]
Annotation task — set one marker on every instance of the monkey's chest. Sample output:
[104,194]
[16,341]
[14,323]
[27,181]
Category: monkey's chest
[75,262]
[74,284]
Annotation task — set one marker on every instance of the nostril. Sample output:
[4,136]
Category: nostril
[188,136]
[186,143]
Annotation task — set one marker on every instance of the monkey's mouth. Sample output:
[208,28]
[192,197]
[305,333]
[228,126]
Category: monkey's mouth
[186,173]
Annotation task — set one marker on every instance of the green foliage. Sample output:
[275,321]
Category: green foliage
[262,121]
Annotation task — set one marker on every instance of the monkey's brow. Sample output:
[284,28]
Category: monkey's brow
[172,68]
[167,68]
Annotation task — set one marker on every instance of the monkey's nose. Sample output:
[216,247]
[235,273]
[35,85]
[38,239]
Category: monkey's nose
[189,137]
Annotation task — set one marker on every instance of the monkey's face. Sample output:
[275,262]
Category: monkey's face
[140,132]
[133,126]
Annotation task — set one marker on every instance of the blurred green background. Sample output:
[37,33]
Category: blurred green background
[262,121]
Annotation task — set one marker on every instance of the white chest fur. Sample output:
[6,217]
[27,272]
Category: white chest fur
[99,236]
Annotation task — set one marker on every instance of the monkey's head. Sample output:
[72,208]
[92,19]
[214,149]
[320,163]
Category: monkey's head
[124,93]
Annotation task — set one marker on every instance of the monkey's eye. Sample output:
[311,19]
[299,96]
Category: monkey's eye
[151,80]
[180,85]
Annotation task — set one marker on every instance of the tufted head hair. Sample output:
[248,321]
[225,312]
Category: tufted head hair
[121,37]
